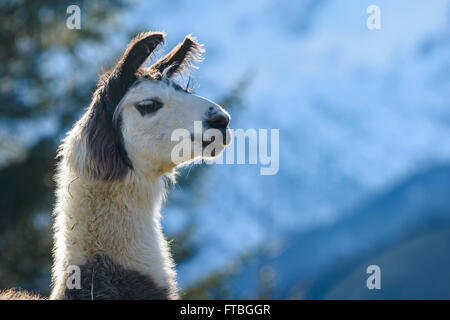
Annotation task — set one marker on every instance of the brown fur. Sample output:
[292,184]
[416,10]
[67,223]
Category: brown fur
[14,294]
[104,279]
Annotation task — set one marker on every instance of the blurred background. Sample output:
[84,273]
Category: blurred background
[364,163]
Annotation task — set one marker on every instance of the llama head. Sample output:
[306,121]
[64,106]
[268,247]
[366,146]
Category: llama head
[135,111]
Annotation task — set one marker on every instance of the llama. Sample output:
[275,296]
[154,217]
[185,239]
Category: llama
[113,169]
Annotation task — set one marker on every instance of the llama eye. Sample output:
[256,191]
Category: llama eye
[148,106]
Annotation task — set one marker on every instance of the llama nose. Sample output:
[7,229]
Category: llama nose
[218,121]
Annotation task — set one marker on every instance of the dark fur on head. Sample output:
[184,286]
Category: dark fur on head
[109,160]
[104,140]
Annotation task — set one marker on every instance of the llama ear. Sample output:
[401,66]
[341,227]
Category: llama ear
[180,58]
[138,50]
[116,82]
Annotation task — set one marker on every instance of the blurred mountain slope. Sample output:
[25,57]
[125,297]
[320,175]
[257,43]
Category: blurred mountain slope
[418,268]
[310,263]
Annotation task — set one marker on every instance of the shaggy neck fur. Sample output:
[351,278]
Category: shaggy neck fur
[117,219]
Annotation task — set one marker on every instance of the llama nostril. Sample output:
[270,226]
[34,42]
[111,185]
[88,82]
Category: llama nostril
[218,121]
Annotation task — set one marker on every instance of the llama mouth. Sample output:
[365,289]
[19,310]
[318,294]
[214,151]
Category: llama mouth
[223,141]
[205,143]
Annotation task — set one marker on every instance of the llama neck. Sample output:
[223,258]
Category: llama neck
[119,220]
